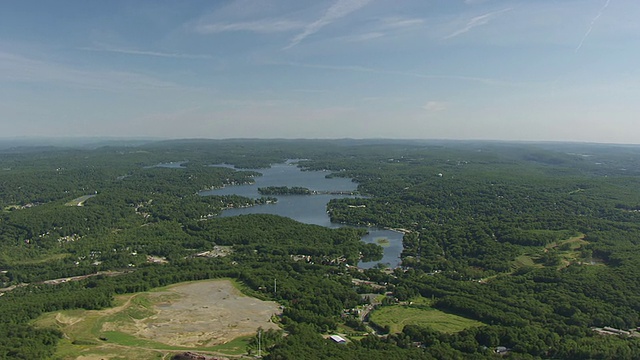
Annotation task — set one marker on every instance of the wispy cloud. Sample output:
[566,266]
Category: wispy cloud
[400,22]
[477,21]
[593,22]
[385,27]
[258,26]
[309,91]
[435,106]
[339,9]
[364,36]
[146,53]
[362,69]
[18,68]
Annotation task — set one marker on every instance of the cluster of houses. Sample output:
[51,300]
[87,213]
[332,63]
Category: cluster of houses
[218,251]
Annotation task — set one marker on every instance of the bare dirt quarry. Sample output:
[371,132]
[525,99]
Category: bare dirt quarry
[204,314]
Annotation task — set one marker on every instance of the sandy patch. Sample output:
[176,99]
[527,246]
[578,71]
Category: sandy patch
[66,319]
[96,357]
[204,314]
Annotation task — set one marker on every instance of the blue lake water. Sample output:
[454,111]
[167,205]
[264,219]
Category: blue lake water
[309,209]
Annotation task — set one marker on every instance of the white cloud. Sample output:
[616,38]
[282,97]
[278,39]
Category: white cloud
[593,22]
[146,53]
[22,69]
[477,21]
[339,9]
[386,27]
[435,106]
[258,26]
[400,22]
[364,37]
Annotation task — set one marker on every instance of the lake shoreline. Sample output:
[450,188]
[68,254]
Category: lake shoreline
[310,209]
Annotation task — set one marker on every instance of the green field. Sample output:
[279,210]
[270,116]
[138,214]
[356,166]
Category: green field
[397,316]
[524,260]
[20,257]
[567,251]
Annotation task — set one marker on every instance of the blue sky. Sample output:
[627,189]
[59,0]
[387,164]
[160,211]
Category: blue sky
[561,70]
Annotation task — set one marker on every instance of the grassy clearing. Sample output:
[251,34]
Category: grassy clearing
[237,346]
[379,298]
[567,251]
[526,260]
[570,244]
[397,316]
[124,339]
[79,201]
[421,302]
[29,259]
[140,326]
[67,350]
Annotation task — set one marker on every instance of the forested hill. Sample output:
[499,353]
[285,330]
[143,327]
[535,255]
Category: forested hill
[536,245]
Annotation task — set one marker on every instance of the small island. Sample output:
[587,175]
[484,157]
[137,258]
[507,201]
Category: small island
[297,190]
[383,241]
[284,190]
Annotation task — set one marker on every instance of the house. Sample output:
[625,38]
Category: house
[338,339]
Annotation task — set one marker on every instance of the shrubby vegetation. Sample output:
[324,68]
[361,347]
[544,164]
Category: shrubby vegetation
[284,190]
[537,242]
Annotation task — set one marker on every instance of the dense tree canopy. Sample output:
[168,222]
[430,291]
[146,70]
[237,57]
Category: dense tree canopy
[538,242]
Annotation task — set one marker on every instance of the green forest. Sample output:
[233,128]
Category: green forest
[284,190]
[536,245]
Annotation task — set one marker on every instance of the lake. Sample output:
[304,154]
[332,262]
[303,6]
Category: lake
[309,209]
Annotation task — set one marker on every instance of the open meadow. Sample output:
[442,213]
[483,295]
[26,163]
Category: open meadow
[397,316]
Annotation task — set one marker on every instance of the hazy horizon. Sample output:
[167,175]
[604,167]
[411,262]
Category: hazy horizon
[91,140]
[494,70]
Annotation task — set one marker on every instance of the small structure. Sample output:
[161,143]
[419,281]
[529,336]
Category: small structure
[607,330]
[338,339]
[616,331]
[501,350]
